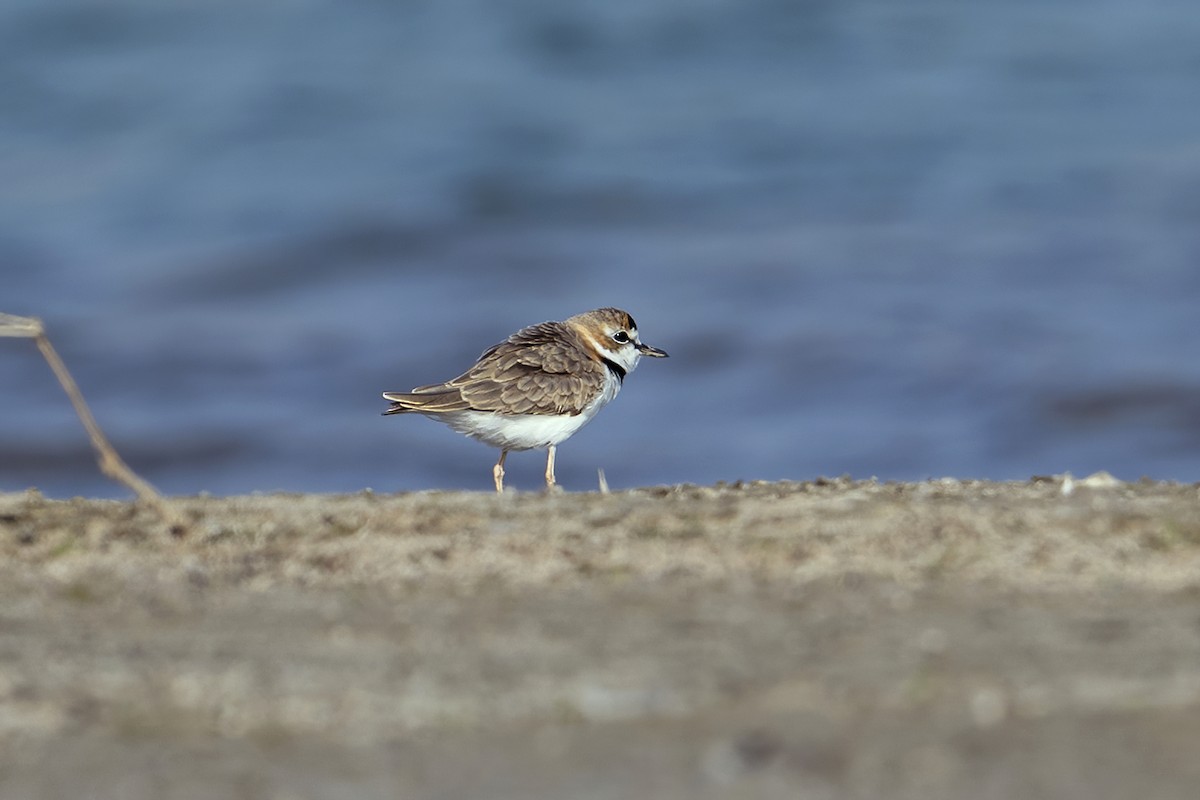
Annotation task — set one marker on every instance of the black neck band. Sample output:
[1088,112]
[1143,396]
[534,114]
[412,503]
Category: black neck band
[615,369]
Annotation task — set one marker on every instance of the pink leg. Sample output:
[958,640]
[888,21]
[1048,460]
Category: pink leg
[498,471]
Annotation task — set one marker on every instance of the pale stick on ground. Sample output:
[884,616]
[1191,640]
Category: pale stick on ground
[110,463]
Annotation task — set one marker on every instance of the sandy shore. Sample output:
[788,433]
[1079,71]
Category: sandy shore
[819,640]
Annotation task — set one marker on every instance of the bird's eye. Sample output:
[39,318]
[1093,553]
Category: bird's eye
[621,337]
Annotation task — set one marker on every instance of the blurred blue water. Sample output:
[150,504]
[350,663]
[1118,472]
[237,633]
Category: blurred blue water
[903,240]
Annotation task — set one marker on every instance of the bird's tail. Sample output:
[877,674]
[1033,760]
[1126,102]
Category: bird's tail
[423,400]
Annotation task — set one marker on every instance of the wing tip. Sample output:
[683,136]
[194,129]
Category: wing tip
[424,403]
[399,401]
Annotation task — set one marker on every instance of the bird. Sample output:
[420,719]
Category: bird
[537,387]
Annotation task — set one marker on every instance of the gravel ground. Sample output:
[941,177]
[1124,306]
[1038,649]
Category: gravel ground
[833,639]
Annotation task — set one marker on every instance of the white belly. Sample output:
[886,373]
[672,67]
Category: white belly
[526,431]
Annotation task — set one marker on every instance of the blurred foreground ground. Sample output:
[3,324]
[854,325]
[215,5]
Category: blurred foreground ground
[820,640]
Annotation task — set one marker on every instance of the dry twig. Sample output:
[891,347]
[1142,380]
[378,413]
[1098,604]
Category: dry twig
[110,463]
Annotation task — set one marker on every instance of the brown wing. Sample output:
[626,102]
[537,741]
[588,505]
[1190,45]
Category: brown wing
[542,369]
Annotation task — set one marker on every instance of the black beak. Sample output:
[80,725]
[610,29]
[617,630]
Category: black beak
[653,352]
